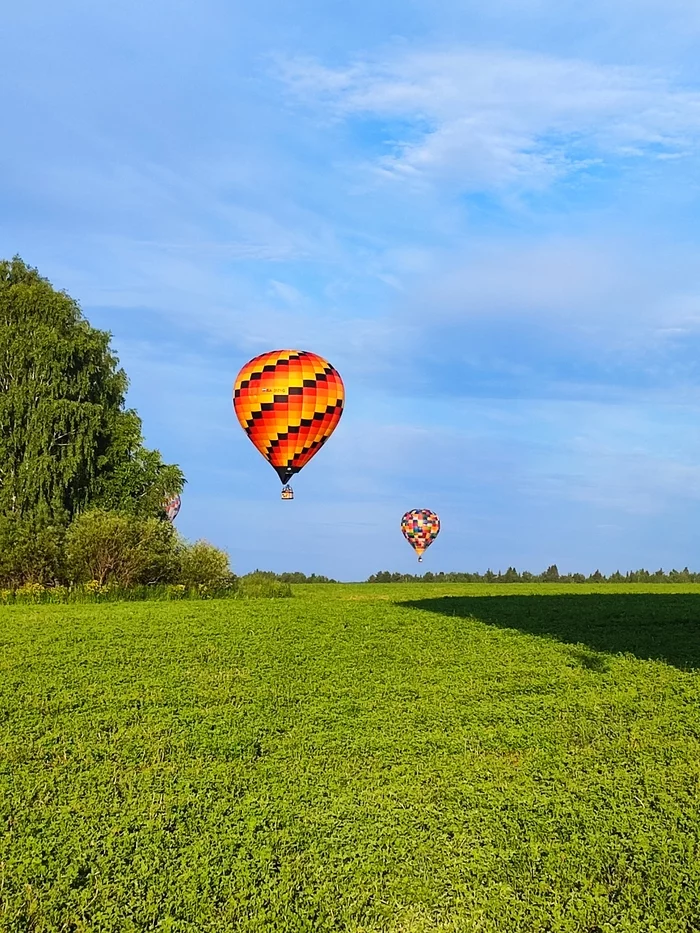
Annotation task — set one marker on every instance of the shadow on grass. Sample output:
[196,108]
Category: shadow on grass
[651,626]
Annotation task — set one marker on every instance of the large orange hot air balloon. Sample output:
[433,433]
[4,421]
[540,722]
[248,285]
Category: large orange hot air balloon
[420,528]
[289,403]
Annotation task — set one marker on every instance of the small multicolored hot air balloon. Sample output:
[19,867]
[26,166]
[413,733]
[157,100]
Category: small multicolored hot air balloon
[420,528]
[288,402]
[171,506]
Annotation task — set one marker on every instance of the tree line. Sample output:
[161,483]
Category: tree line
[295,576]
[511,575]
[550,575]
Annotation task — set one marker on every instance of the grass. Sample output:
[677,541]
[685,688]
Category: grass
[248,587]
[371,758]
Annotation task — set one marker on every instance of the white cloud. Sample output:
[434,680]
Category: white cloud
[490,119]
[285,291]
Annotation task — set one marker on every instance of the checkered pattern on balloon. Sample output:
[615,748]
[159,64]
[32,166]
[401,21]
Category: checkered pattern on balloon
[420,528]
[171,507]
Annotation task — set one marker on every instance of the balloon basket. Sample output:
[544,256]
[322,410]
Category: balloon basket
[287,492]
[420,560]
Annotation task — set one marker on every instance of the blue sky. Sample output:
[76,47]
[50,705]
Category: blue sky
[484,215]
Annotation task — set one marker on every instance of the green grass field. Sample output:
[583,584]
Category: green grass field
[357,758]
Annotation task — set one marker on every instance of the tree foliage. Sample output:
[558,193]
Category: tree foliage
[110,547]
[106,548]
[202,564]
[30,552]
[67,441]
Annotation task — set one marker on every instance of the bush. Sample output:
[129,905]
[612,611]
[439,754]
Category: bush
[110,547]
[107,556]
[202,564]
[30,552]
[262,584]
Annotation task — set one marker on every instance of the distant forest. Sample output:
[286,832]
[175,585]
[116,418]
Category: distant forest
[511,575]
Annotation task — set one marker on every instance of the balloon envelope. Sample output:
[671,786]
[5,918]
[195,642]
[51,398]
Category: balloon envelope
[420,528]
[288,402]
[172,507]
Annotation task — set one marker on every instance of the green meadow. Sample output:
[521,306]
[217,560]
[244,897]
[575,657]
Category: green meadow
[355,758]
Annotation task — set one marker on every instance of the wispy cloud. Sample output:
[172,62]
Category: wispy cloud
[496,119]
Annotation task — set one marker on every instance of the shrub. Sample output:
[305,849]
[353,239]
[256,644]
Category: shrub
[30,552]
[262,584]
[110,547]
[30,593]
[202,564]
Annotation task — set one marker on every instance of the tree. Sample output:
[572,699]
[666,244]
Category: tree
[67,442]
[382,577]
[551,573]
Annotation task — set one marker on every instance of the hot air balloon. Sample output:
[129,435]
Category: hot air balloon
[171,507]
[420,528]
[288,402]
